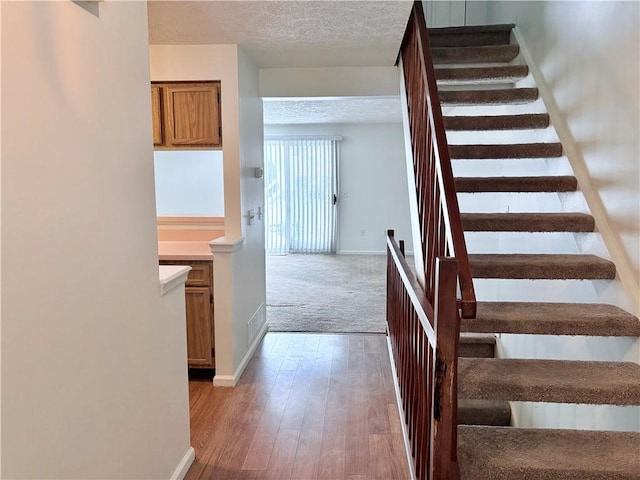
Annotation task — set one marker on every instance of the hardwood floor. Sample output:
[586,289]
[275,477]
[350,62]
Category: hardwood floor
[309,406]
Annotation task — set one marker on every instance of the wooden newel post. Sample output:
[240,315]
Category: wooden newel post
[445,401]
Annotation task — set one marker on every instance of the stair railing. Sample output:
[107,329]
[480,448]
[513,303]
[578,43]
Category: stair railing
[438,211]
[424,320]
[424,342]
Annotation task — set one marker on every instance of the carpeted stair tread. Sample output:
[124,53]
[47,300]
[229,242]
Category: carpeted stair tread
[504,453]
[514,150]
[541,266]
[556,381]
[488,97]
[504,74]
[516,184]
[527,222]
[484,412]
[470,36]
[552,319]
[497,122]
[474,54]
[478,345]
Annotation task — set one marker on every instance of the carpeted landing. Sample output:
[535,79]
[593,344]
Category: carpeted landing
[326,293]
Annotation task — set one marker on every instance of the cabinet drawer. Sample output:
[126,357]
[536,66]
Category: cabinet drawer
[199,275]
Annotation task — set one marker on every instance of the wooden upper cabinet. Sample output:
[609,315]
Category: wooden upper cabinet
[190,116]
[156,111]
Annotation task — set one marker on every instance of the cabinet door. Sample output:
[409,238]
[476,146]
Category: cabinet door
[156,113]
[192,115]
[199,327]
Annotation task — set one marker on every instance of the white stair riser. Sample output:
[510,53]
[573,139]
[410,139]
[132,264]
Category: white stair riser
[521,242]
[502,137]
[511,167]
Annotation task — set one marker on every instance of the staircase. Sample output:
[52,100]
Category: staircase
[486,92]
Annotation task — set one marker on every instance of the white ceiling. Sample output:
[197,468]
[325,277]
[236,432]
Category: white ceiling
[287,33]
[292,33]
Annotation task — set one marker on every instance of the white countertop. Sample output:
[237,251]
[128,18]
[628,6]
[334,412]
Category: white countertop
[172,276]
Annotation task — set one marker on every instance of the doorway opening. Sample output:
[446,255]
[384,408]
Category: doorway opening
[332,280]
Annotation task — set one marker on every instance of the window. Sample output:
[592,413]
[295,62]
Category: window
[301,194]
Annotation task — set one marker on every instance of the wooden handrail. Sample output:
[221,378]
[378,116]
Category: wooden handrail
[438,211]
[424,341]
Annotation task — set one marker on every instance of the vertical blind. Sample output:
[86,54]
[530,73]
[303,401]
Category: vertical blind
[300,193]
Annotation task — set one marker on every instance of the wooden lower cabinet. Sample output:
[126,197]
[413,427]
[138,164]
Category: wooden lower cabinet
[199,313]
[199,327]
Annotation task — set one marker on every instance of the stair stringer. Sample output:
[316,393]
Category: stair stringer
[626,278]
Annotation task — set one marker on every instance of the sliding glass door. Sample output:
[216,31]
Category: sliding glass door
[300,194]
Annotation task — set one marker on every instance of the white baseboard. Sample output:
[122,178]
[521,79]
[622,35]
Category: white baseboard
[183,467]
[591,196]
[232,380]
[367,252]
[224,381]
[361,252]
[405,434]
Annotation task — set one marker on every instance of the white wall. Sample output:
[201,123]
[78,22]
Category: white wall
[446,13]
[476,12]
[189,183]
[372,183]
[329,81]
[210,62]
[590,67]
[1,310]
[214,62]
[240,296]
[93,359]
[249,268]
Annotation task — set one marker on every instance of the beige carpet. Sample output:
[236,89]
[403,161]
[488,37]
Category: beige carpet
[326,293]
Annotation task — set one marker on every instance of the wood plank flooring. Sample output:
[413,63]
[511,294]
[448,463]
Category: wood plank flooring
[308,407]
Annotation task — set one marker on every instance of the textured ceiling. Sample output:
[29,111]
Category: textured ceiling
[332,110]
[287,33]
